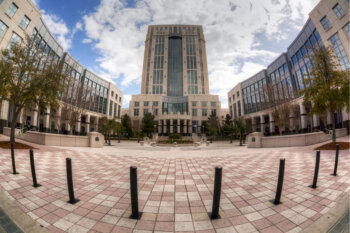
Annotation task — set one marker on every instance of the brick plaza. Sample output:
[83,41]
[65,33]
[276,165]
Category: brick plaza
[175,188]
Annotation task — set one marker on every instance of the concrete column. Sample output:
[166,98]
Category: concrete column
[58,123]
[159,126]
[164,127]
[178,126]
[78,125]
[171,126]
[253,124]
[316,121]
[262,128]
[47,119]
[34,119]
[4,110]
[190,126]
[303,116]
[272,123]
[185,126]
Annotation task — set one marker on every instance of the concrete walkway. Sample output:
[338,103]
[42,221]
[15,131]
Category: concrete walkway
[175,188]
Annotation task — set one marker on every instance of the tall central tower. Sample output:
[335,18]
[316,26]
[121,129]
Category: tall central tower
[175,61]
[175,86]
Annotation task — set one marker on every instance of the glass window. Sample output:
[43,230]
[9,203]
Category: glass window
[112,93]
[317,35]
[298,55]
[237,94]
[307,45]
[137,103]
[340,52]
[25,22]
[346,28]
[204,104]
[136,112]
[11,11]
[194,103]
[145,103]
[204,112]
[294,60]
[145,110]
[194,112]
[213,104]
[325,23]
[285,67]
[14,39]
[155,103]
[3,27]
[312,40]
[303,50]
[338,11]
[1,1]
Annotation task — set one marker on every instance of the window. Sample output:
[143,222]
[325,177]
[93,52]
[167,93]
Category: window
[338,11]
[145,103]
[294,59]
[346,28]
[155,112]
[3,27]
[237,94]
[145,110]
[213,104]
[24,22]
[340,52]
[14,39]
[11,11]
[137,104]
[1,1]
[325,23]
[136,112]
[204,104]
[204,112]
[112,93]
[110,107]
[194,112]
[317,35]
[194,103]
[155,103]
[303,50]
[213,112]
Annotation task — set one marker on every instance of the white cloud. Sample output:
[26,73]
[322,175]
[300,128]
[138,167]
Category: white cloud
[59,28]
[230,27]
[126,100]
[36,2]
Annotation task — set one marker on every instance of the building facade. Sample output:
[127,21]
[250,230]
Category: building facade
[328,25]
[21,17]
[175,84]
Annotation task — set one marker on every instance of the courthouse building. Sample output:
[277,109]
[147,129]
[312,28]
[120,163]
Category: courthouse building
[175,85]
[20,17]
[328,26]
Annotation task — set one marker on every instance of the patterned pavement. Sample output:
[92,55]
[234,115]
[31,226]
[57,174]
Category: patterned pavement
[175,188]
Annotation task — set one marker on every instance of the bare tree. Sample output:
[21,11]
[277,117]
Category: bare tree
[74,102]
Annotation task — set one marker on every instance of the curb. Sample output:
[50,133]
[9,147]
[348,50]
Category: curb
[18,217]
[328,221]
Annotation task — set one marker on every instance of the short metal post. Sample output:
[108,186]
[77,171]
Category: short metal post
[217,192]
[336,159]
[72,199]
[317,166]
[280,182]
[13,160]
[32,166]
[135,214]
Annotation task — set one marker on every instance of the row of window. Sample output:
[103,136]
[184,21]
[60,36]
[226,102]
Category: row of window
[312,41]
[338,11]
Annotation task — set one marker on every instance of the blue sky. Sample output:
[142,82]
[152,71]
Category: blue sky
[242,36]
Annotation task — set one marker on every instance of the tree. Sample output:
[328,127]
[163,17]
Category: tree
[212,133]
[213,122]
[126,123]
[227,124]
[148,123]
[239,124]
[75,99]
[327,88]
[107,127]
[28,78]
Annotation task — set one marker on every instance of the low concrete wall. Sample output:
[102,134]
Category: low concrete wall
[257,140]
[93,139]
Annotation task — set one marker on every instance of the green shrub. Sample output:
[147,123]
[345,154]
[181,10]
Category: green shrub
[174,136]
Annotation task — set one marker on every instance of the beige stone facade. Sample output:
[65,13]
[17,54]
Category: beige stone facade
[235,102]
[175,84]
[21,17]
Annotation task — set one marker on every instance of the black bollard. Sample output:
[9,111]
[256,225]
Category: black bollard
[336,159]
[13,160]
[32,166]
[72,199]
[280,183]
[217,192]
[135,214]
[317,166]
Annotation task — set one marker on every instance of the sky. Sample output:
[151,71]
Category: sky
[242,36]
